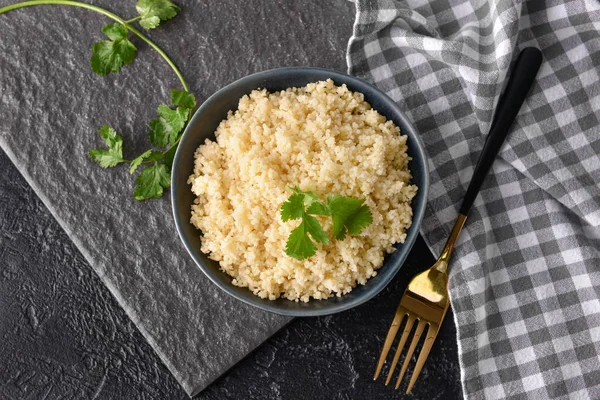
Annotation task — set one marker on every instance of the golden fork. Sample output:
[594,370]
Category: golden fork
[426,298]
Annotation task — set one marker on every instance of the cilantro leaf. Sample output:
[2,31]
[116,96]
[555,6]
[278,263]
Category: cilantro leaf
[299,244]
[159,133]
[293,208]
[148,155]
[166,128]
[110,55]
[155,11]
[115,31]
[110,136]
[312,202]
[169,155]
[183,98]
[309,197]
[313,227]
[151,182]
[106,158]
[318,208]
[114,155]
[150,22]
[349,215]
[138,161]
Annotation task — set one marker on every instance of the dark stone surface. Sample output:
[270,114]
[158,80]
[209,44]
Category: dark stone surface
[51,105]
[63,335]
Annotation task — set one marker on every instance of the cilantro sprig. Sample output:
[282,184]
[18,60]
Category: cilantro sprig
[165,133]
[109,56]
[349,215]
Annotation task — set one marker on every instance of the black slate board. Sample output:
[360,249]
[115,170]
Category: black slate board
[51,104]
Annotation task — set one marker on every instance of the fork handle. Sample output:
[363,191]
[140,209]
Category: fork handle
[521,79]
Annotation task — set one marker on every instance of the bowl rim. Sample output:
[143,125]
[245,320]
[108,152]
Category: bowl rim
[411,234]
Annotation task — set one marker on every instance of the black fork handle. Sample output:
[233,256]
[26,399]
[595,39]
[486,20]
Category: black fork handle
[521,79]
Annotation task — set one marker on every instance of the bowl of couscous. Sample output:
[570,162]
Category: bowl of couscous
[312,138]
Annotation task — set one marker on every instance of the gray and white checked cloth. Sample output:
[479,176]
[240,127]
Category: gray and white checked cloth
[525,278]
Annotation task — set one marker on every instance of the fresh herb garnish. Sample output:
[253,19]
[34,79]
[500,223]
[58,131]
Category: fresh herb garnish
[349,215]
[114,155]
[148,155]
[151,182]
[165,131]
[166,128]
[299,245]
[110,55]
[152,12]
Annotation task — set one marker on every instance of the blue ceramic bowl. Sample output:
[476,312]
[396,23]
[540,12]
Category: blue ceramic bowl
[203,125]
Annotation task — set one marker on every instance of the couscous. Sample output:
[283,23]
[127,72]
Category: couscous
[323,138]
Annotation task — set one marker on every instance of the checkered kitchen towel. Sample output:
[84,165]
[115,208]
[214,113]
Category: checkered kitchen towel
[525,279]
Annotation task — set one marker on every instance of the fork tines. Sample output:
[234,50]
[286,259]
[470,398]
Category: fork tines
[411,318]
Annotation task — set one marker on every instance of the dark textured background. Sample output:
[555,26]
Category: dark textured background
[62,334]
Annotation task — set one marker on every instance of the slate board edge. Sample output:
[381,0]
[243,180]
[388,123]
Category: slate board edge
[190,390]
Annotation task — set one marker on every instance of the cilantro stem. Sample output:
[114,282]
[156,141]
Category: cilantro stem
[133,19]
[109,15]
[174,145]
